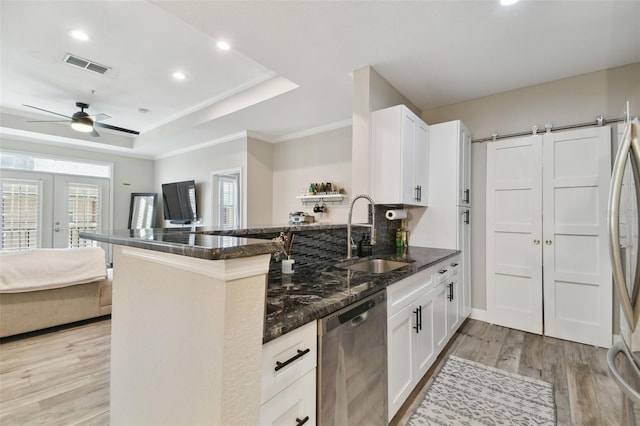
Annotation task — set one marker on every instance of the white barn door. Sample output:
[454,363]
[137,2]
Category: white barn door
[577,272]
[514,233]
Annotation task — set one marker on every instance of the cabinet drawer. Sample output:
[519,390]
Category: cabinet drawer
[287,358]
[453,265]
[441,273]
[406,291]
[295,405]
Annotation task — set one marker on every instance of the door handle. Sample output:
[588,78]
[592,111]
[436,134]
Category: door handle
[629,144]
[418,193]
[547,242]
[466,217]
[450,297]
[466,196]
[536,242]
[417,326]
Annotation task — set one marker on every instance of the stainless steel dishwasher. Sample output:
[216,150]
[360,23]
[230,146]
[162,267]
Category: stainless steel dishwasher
[352,364]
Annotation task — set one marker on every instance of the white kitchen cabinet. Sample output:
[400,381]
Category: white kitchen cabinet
[410,346]
[399,157]
[441,326]
[440,329]
[289,378]
[447,221]
[294,405]
[421,319]
[453,302]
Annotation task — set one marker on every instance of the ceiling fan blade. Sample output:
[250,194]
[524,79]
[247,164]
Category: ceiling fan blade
[119,129]
[47,121]
[45,110]
[99,117]
[95,134]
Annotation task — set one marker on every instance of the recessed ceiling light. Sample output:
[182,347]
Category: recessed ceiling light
[79,35]
[178,75]
[223,45]
[508,2]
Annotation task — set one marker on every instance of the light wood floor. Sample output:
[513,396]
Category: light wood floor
[62,377]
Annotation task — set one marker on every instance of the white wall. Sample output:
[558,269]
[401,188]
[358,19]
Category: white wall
[260,191]
[129,174]
[370,93]
[199,165]
[324,157]
[573,100]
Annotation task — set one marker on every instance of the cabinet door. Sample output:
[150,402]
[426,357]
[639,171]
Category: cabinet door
[464,245]
[464,167]
[420,158]
[424,345]
[440,316]
[453,306]
[409,133]
[295,405]
[401,375]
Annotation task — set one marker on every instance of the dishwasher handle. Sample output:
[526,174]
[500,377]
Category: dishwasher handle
[359,311]
[353,316]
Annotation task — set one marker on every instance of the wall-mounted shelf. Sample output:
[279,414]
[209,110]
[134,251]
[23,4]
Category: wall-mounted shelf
[324,198]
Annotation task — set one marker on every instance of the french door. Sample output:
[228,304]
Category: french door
[42,210]
[547,256]
[81,204]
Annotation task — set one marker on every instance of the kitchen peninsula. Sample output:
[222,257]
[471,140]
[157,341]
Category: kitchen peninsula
[189,317]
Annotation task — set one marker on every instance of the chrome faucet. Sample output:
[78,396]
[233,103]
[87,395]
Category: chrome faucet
[373,223]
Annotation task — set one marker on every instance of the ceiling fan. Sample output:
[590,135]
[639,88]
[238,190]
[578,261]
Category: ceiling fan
[83,122]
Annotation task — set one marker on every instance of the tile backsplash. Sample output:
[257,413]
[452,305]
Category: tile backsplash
[319,245]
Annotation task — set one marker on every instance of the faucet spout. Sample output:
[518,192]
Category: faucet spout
[373,223]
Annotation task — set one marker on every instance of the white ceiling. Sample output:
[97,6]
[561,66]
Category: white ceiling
[289,67]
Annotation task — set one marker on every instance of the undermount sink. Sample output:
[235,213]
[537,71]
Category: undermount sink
[376,266]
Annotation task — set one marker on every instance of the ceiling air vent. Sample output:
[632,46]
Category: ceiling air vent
[85,64]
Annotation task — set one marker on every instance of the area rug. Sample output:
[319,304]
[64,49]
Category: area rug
[468,393]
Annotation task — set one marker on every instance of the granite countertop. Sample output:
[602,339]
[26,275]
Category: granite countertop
[316,291]
[190,242]
[205,242]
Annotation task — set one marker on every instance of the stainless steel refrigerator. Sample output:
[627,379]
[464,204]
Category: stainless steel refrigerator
[623,358]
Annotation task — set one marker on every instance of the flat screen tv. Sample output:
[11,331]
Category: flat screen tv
[179,199]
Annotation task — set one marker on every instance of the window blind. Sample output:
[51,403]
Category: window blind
[84,213]
[20,215]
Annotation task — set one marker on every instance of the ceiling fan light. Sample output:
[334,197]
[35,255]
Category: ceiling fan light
[84,125]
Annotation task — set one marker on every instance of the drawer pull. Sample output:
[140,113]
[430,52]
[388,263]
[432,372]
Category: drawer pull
[454,265]
[300,354]
[442,271]
[300,422]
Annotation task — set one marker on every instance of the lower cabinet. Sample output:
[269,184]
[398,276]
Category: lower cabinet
[410,343]
[423,313]
[295,405]
[289,378]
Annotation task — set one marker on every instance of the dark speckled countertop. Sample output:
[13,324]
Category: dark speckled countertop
[316,291]
[191,242]
[311,292]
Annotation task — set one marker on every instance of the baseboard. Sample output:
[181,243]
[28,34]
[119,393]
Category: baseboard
[616,338]
[478,314]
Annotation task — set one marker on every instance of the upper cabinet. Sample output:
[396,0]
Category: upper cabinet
[399,157]
[464,162]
